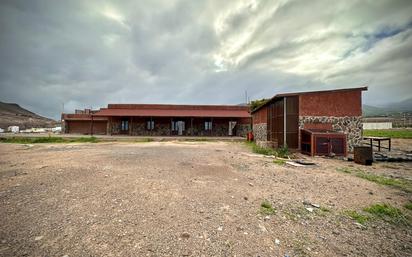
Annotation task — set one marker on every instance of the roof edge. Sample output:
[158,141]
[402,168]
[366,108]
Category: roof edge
[308,92]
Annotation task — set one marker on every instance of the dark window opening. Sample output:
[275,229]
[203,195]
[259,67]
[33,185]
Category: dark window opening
[208,125]
[150,125]
[124,125]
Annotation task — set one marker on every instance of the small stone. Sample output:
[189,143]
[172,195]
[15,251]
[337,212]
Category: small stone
[309,209]
[370,192]
[315,205]
[185,235]
[266,218]
[3,241]
[250,184]
[277,241]
[360,226]
[37,238]
[335,232]
[245,197]
[220,228]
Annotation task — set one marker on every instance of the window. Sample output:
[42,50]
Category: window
[124,125]
[208,125]
[150,125]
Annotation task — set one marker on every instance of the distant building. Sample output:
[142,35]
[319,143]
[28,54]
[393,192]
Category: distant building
[377,123]
[13,129]
[279,121]
[160,120]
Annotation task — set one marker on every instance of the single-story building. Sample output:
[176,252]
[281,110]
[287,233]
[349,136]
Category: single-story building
[377,123]
[280,120]
[160,120]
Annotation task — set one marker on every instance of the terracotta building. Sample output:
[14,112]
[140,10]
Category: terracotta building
[281,120]
[160,120]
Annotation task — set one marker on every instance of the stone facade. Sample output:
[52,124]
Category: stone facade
[164,129]
[242,130]
[260,133]
[351,126]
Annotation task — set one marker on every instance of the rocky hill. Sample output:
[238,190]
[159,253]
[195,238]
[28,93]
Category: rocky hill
[13,115]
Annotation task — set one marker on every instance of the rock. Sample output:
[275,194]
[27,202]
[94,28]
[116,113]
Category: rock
[309,209]
[262,228]
[38,238]
[250,184]
[335,232]
[185,235]
[220,228]
[245,197]
[277,241]
[266,218]
[360,226]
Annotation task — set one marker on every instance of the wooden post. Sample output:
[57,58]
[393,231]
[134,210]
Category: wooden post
[91,127]
[211,128]
[131,126]
[171,121]
[191,126]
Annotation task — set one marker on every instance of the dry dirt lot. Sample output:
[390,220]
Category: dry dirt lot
[188,199]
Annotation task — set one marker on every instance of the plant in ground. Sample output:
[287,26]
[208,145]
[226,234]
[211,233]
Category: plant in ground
[282,152]
[387,213]
[399,183]
[408,206]
[279,161]
[360,218]
[266,208]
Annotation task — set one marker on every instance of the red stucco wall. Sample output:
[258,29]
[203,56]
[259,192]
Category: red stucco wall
[338,104]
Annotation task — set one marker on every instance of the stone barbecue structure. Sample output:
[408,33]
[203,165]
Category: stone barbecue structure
[279,121]
[160,120]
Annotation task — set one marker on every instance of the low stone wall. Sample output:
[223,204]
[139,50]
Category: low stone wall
[351,126]
[242,130]
[260,134]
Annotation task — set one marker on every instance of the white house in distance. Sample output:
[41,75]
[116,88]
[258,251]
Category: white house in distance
[377,123]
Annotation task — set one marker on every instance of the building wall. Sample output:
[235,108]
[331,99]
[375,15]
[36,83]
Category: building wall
[351,126]
[260,128]
[84,127]
[138,127]
[334,104]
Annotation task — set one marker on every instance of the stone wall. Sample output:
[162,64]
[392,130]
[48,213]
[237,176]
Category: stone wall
[242,130]
[260,132]
[351,126]
[164,129]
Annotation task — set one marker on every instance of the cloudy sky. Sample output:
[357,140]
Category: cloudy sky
[90,53]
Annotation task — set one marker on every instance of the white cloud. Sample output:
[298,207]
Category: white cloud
[98,52]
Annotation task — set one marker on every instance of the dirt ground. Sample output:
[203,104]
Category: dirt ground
[187,199]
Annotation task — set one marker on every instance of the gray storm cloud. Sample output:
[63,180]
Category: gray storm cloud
[90,53]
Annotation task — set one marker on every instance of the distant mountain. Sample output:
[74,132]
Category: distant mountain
[12,114]
[389,109]
[403,106]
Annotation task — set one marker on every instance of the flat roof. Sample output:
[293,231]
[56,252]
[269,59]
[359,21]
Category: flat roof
[278,96]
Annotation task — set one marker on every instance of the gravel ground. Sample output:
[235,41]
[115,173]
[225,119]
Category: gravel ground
[187,199]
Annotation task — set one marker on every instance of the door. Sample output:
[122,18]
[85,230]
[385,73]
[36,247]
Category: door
[180,127]
[232,125]
[124,126]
